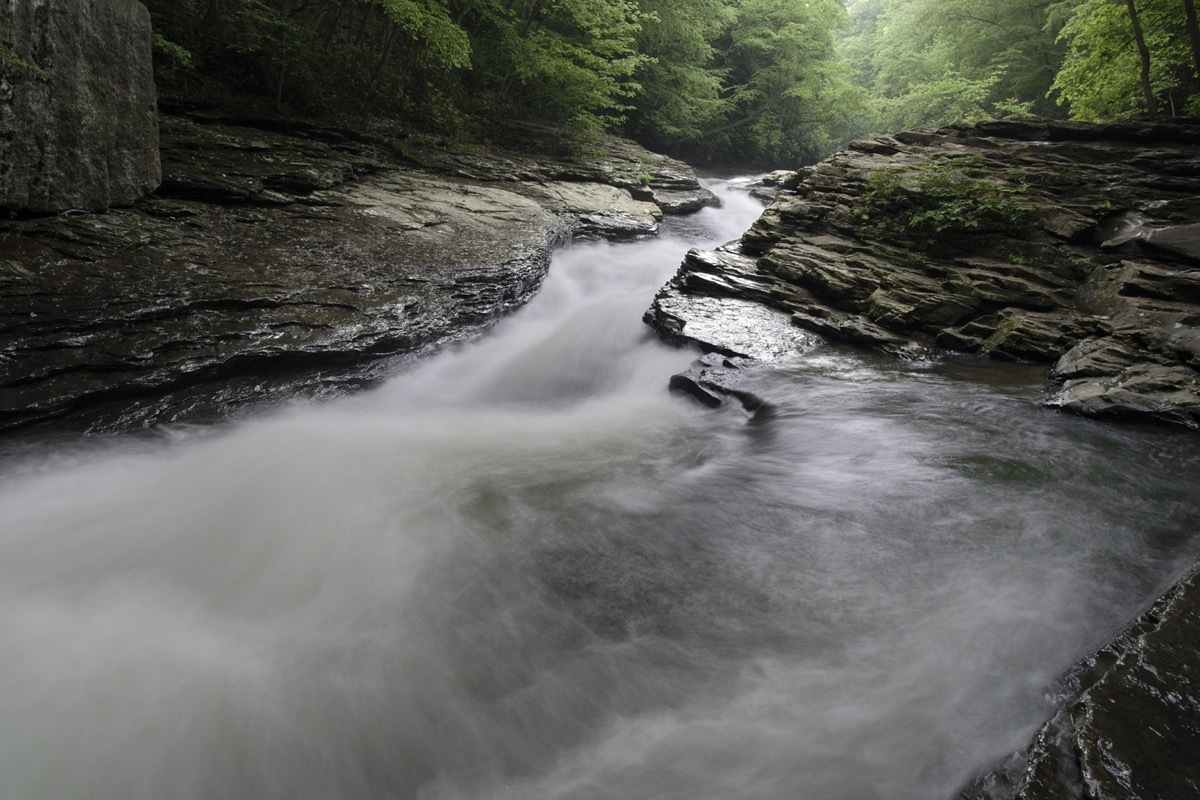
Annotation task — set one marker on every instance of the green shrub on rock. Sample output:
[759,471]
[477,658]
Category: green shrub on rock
[937,201]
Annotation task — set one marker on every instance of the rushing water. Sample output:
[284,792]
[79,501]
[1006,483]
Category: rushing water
[526,571]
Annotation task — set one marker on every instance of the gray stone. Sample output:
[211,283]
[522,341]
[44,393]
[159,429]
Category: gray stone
[713,379]
[1096,358]
[78,121]
[729,326]
[1104,253]
[1167,392]
[278,262]
[1128,727]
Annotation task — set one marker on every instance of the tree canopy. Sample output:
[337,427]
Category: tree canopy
[1102,75]
[931,62]
[762,82]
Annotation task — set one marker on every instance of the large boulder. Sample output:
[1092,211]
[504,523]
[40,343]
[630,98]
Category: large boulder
[78,121]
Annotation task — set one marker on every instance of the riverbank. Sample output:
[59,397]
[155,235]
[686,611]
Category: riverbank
[1127,723]
[281,259]
[1067,244]
[522,569]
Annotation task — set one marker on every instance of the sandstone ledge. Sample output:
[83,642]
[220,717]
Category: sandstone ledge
[1102,282]
[283,259]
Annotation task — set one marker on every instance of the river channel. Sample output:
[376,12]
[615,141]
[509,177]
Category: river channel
[526,570]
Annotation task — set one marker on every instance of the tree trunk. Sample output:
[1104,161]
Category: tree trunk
[531,16]
[1193,29]
[1144,54]
[368,10]
[332,20]
[385,46]
[210,27]
[737,123]
[279,86]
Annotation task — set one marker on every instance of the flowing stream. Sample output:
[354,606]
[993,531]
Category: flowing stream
[525,570]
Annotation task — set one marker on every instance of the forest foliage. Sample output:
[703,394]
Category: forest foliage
[751,82]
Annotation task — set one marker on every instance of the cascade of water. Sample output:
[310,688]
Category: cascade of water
[524,570]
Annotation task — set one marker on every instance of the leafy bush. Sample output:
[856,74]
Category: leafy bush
[937,201]
[8,55]
[169,58]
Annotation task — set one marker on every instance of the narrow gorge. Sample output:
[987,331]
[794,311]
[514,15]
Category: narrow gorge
[339,462]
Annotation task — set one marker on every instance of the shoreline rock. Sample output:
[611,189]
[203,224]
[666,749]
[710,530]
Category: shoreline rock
[1096,271]
[280,261]
[1128,725]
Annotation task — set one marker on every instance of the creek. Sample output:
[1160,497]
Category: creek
[526,570]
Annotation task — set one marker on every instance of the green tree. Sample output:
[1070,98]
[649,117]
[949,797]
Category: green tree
[1139,39]
[681,86]
[784,99]
[933,62]
[732,80]
[323,55]
[566,62]
[1106,75]
[1193,31]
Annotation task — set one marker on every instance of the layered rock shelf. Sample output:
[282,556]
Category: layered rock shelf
[281,259]
[1068,244]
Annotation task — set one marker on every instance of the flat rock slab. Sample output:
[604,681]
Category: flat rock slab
[276,264]
[129,316]
[732,327]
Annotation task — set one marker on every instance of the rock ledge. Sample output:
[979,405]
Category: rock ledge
[284,259]
[1099,277]
[1130,724]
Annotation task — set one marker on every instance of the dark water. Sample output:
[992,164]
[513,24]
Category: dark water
[527,571]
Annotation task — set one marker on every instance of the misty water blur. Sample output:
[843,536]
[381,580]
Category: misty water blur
[525,570]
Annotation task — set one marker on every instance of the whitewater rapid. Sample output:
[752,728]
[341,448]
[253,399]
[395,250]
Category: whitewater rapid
[526,570]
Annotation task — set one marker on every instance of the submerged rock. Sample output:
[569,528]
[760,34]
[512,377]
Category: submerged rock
[1067,244]
[714,378]
[284,260]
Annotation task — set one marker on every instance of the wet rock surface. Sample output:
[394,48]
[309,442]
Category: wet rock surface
[78,126]
[289,260]
[1099,278]
[1130,723]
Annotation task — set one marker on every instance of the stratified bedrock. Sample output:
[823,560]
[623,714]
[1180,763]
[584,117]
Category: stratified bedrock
[1131,725]
[1071,244]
